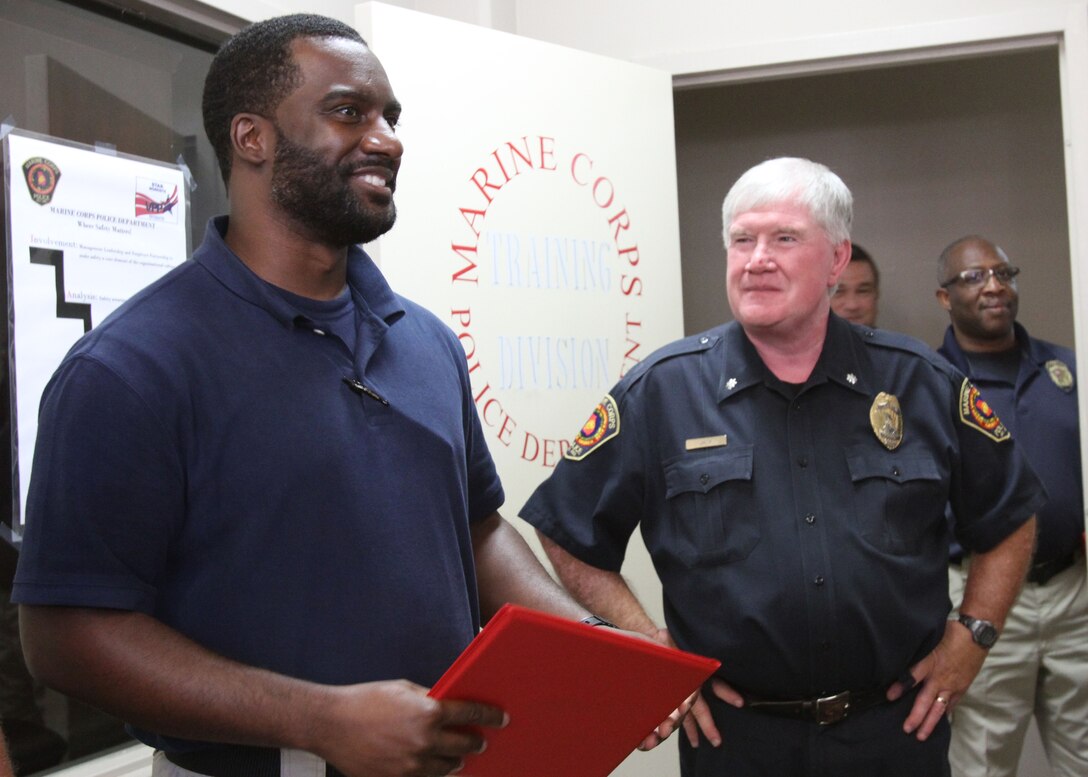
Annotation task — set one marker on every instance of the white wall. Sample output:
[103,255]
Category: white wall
[676,36]
[694,35]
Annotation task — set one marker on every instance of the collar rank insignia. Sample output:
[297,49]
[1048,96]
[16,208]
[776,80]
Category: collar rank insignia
[977,413]
[1061,375]
[602,426]
[886,418]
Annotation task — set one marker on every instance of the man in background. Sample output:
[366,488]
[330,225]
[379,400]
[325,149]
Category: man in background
[858,290]
[1039,667]
[789,474]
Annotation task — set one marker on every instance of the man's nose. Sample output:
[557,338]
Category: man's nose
[381,138]
[761,257]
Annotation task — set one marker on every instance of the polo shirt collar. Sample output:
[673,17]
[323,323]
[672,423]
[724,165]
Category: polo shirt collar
[369,289]
[840,362]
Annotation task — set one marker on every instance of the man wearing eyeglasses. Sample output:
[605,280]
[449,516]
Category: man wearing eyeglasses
[1040,665]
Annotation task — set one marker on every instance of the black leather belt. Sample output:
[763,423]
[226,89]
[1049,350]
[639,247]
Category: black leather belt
[823,711]
[1041,572]
[236,761]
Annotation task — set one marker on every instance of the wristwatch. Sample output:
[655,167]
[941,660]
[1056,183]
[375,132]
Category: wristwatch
[596,620]
[983,632]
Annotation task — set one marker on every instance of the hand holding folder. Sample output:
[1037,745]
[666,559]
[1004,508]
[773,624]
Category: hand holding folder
[580,698]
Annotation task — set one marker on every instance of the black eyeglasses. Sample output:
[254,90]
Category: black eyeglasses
[976,277]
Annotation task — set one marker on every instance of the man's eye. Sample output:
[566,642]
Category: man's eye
[348,110]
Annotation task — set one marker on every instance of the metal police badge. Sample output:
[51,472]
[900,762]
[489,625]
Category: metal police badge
[886,418]
[976,413]
[603,425]
[1060,374]
[41,178]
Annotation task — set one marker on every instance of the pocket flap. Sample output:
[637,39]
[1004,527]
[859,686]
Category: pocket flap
[699,472]
[889,465]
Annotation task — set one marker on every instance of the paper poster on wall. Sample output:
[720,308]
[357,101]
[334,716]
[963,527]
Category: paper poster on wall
[85,230]
[537,216]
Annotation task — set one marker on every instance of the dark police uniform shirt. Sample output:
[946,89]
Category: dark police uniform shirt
[795,541]
[1040,409]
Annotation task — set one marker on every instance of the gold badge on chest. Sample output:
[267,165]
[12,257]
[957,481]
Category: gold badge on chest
[886,418]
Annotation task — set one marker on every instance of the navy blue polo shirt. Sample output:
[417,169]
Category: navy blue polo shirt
[201,459]
[1040,408]
[792,543]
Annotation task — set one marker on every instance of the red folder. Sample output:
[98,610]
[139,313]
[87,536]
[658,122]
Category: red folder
[580,698]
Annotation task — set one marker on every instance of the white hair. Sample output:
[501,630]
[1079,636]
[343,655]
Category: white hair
[807,183]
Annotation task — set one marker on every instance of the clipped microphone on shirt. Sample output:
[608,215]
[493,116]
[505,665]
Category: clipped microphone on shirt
[357,386]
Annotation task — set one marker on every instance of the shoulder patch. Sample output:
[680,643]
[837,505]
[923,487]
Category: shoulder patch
[974,412]
[1061,374]
[602,426]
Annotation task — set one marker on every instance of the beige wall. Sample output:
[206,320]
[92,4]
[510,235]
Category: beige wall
[965,146]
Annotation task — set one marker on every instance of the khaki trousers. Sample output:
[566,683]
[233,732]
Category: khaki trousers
[1039,667]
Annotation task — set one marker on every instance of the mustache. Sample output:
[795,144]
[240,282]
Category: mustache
[369,162]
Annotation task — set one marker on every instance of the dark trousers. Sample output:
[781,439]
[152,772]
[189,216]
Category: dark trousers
[872,744]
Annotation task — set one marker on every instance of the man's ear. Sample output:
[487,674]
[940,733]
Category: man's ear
[942,300]
[252,138]
[842,258]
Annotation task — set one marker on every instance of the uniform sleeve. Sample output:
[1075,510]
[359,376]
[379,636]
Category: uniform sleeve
[106,495]
[994,489]
[591,506]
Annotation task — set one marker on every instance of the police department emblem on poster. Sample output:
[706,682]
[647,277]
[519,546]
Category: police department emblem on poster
[41,177]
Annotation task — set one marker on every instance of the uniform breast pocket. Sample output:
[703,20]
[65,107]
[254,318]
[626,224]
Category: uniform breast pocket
[897,498]
[710,504]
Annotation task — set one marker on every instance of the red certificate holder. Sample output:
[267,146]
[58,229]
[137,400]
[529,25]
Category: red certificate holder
[580,698]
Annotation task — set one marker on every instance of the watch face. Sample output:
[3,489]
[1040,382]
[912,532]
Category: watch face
[985,634]
[982,632]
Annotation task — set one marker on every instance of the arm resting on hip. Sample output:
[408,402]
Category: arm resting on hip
[993,583]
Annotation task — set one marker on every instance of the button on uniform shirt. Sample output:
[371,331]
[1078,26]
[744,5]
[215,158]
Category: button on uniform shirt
[1038,403]
[799,537]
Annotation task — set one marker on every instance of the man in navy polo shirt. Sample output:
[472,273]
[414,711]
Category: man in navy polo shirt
[1039,667]
[789,473]
[262,517]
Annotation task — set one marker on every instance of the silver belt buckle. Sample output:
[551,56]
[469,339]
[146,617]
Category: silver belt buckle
[832,709]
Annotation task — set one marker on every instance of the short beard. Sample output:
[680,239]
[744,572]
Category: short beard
[319,197]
